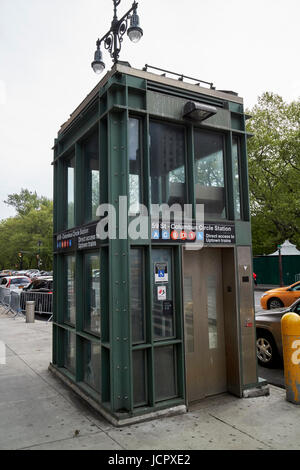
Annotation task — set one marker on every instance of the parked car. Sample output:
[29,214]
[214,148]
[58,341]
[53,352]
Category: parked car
[36,291]
[6,272]
[268,334]
[280,297]
[46,273]
[32,273]
[40,284]
[15,282]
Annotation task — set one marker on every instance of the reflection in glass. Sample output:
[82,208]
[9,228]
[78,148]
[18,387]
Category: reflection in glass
[189,313]
[92,175]
[212,312]
[69,351]
[71,193]
[163,311]
[134,165]
[165,375]
[92,292]
[71,291]
[236,176]
[209,174]
[136,295]
[92,364]
[167,163]
[95,192]
[139,378]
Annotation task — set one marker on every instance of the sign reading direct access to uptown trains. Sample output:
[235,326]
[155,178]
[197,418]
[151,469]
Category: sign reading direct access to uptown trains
[219,233]
[208,233]
[83,238]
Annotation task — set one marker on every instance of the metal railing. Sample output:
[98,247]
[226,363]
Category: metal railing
[5,298]
[43,302]
[10,300]
[15,302]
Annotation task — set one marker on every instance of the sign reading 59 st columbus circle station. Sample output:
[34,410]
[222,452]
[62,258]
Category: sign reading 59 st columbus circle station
[207,233]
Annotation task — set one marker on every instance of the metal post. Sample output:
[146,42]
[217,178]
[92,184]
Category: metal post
[38,255]
[290,330]
[112,40]
[280,267]
[30,308]
[114,29]
[21,261]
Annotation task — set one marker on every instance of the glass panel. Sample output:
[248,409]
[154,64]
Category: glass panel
[71,193]
[69,351]
[136,295]
[134,165]
[167,166]
[163,307]
[189,313]
[70,316]
[236,176]
[212,312]
[104,288]
[209,174]
[92,292]
[92,174]
[139,378]
[165,377]
[92,364]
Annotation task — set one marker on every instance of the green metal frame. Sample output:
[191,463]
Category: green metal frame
[125,96]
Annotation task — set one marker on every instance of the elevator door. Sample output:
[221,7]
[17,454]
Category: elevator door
[204,324]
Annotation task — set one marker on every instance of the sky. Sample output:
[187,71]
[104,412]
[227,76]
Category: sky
[46,49]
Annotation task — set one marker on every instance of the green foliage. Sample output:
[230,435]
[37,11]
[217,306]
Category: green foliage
[22,233]
[26,201]
[274,172]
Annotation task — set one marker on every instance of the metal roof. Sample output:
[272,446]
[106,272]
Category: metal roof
[153,77]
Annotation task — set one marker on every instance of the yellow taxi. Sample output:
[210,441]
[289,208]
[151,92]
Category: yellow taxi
[280,297]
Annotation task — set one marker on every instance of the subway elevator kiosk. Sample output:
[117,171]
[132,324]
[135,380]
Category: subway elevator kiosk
[144,326]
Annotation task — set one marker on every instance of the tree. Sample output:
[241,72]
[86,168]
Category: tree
[274,172]
[22,233]
[26,201]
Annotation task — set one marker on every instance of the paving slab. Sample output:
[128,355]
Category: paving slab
[36,362]
[14,367]
[97,441]
[23,387]
[271,420]
[198,431]
[39,421]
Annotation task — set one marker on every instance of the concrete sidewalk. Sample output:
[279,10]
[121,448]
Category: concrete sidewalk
[38,412]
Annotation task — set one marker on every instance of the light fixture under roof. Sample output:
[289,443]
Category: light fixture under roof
[198,111]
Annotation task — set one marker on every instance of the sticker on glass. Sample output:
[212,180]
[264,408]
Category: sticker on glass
[161,293]
[161,272]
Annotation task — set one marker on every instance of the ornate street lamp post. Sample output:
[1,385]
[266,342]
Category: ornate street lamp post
[113,39]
